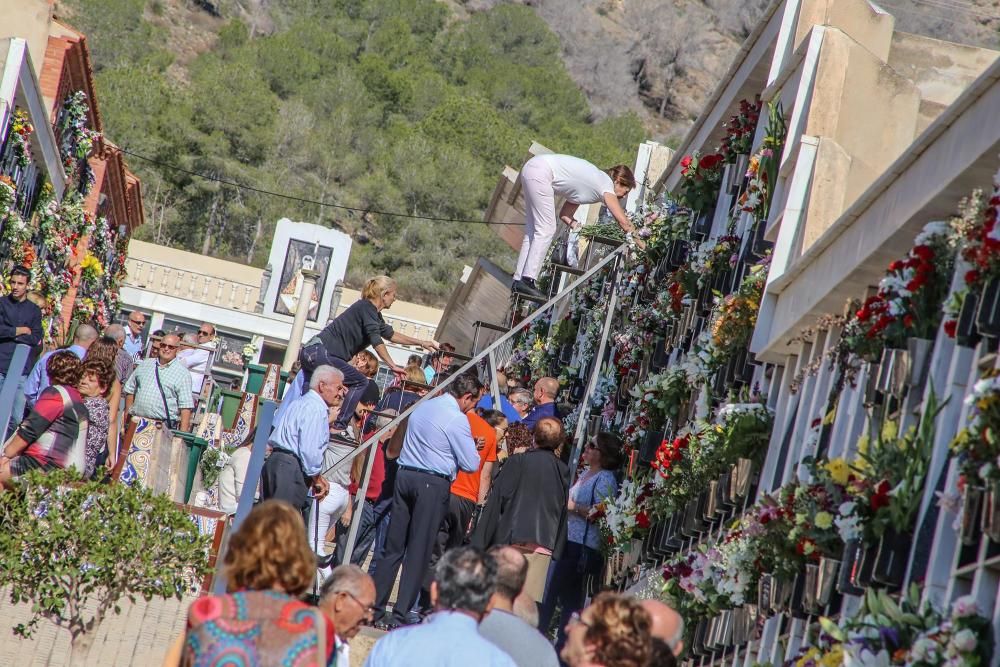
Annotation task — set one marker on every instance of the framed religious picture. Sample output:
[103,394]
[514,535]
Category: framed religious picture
[302,254]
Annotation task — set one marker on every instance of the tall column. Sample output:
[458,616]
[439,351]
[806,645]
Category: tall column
[309,277]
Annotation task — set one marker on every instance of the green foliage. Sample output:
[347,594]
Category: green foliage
[391,105]
[67,543]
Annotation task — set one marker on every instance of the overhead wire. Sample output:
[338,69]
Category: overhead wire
[304,200]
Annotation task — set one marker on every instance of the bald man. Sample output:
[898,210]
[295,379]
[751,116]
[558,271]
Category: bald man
[546,390]
[503,626]
[38,379]
[667,627]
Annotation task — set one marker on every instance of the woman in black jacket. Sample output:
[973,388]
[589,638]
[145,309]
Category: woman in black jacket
[351,332]
[526,507]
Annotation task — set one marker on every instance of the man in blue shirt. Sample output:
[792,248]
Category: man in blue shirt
[437,443]
[546,390]
[38,379]
[297,444]
[464,582]
[133,335]
[508,409]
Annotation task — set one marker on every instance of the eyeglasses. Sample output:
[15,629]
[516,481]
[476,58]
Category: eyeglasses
[204,333]
[369,609]
[166,346]
[575,618]
[141,323]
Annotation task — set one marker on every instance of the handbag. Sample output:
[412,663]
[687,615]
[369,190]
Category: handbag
[77,456]
[560,251]
[163,396]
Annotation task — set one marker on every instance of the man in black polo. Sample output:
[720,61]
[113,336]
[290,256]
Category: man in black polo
[20,322]
[438,442]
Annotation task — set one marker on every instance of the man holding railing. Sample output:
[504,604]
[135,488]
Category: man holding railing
[438,442]
[299,442]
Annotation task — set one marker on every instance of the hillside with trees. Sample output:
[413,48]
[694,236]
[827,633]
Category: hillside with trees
[409,106]
[387,105]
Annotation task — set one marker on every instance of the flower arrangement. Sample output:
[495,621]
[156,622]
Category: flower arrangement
[762,170]
[977,446]
[736,315]
[909,299]
[8,194]
[77,140]
[701,177]
[659,397]
[19,137]
[887,633]
[740,130]
[625,517]
[213,460]
[715,256]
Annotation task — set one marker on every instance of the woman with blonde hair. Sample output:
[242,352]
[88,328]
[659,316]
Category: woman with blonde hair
[358,327]
[545,178]
[261,620]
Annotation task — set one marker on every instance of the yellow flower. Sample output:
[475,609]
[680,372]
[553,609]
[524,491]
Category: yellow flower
[863,444]
[839,470]
[834,658]
[823,520]
[890,430]
[91,264]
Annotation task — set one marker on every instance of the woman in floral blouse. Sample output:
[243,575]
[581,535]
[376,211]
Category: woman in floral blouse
[95,384]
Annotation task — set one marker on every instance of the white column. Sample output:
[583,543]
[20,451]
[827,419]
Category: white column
[301,312]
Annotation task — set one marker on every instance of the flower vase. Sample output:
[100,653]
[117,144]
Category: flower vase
[866,565]
[972,501]
[743,366]
[809,587]
[726,488]
[678,253]
[659,357]
[725,634]
[988,315]
[919,350]
[781,595]
[654,438]
[871,382]
[760,244]
[966,333]
[892,559]
[893,371]
[847,582]
[797,602]
[742,478]
[710,504]
[991,511]
[826,580]
[765,590]
[698,637]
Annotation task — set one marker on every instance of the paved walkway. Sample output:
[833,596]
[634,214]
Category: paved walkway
[140,635]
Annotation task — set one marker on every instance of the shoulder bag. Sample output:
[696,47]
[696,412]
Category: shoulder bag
[163,396]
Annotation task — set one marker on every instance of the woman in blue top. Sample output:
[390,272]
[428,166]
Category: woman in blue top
[581,559]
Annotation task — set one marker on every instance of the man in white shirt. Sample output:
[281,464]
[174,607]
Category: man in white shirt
[199,360]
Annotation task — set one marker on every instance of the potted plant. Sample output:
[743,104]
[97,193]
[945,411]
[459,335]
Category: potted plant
[976,448]
[904,464]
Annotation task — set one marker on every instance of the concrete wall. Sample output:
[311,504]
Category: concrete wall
[868,26]
[29,20]
[940,70]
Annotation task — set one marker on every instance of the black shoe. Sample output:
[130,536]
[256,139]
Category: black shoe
[326,560]
[528,289]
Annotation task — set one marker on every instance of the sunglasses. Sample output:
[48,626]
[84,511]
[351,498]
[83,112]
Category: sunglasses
[141,324]
[204,333]
[165,346]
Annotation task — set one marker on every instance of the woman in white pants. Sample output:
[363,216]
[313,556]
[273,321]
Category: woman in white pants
[547,177]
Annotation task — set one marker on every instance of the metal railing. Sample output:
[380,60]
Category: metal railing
[500,347]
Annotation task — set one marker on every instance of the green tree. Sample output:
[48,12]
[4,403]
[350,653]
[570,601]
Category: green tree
[75,549]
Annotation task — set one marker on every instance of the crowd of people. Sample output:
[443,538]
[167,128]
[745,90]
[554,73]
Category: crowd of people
[68,409]
[474,543]
[479,549]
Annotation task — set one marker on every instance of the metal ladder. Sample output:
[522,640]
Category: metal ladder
[494,356]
